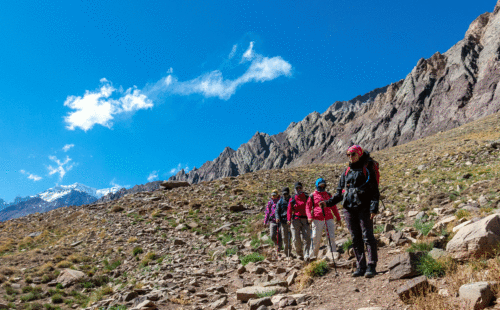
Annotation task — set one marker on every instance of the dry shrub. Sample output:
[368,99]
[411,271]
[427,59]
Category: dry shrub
[58,258]
[6,245]
[64,264]
[74,258]
[2,278]
[7,271]
[45,269]
[433,301]
[257,226]
[132,239]
[180,301]
[117,208]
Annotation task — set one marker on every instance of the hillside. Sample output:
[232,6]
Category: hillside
[183,248]
[442,92]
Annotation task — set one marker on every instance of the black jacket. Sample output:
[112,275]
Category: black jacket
[282,208]
[364,194]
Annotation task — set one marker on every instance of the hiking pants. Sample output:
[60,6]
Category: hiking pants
[273,232]
[285,231]
[361,228]
[301,236]
[317,232]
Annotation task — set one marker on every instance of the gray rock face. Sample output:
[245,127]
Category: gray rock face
[440,93]
[404,266]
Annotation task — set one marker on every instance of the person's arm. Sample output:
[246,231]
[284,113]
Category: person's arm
[268,211]
[309,205]
[335,212]
[338,196]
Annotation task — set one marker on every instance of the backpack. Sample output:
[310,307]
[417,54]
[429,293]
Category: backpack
[375,167]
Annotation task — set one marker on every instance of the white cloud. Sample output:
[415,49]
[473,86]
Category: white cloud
[153,176]
[115,184]
[213,84]
[62,167]
[67,147]
[249,54]
[179,168]
[233,51]
[98,108]
[31,176]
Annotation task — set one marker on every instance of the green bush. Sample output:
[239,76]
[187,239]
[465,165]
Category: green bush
[57,299]
[33,306]
[420,247]
[137,250]
[111,266]
[265,294]
[251,258]
[378,229]
[319,268]
[424,228]
[462,213]
[430,267]
[346,245]
[231,251]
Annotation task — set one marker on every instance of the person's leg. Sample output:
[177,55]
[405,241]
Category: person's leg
[317,231]
[306,237]
[353,225]
[296,227]
[285,229]
[273,232]
[371,243]
[331,230]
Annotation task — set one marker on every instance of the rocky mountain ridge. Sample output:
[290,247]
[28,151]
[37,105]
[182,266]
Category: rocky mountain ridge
[442,92]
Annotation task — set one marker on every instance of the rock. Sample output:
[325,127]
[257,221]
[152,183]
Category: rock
[181,227]
[33,235]
[483,201]
[130,295]
[74,244]
[421,216]
[241,269]
[145,305]
[291,278]
[476,239]
[280,270]
[246,293]
[373,308]
[404,266]
[219,303]
[274,283]
[414,287]
[388,227]
[476,295]
[172,184]
[254,304]
[437,253]
[457,228]
[413,213]
[3,306]
[69,276]
[237,208]
[179,242]
[438,227]
[192,225]
[224,227]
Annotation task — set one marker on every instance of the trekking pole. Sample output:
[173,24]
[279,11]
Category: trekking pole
[329,241]
[277,240]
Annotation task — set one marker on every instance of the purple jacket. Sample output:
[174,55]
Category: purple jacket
[271,210]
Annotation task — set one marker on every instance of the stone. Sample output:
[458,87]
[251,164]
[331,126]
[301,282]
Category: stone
[192,225]
[69,276]
[219,303]
[237,208]
[74,244]
[254,304]
[241,269]
[251,292]
[438,227]
[130,295]
[373,308]
[291,278]
[457,228]
[179,242]
[404,266]
[35,234]
[274,283]
[415,287]
[223,227]
[476,295]
[3,306]
[146,304]
[388,227]
[437,253]
[413,213]
[476,239]
[181,227]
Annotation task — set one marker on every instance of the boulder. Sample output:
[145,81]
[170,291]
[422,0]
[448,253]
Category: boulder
[69,276]
[237,208]
[219,303]
[404,266]
[414,287]
[476,295]
[437,253]
[438,227]
[476,239]
[254,304]
[252,292]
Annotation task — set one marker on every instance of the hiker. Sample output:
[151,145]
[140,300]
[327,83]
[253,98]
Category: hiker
[319,216]
[271,218]
[358,189]
[282,210]
[297,219]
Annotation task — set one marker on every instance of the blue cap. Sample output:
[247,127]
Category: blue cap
[320,181]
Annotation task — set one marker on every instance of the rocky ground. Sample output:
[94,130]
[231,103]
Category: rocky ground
[204,246]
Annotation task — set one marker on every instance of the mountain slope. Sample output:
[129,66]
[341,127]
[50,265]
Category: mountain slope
[442,92]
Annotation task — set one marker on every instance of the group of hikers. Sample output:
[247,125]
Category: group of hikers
[306,216]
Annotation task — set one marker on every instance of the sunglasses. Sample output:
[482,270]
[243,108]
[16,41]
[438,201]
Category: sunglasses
[351,154]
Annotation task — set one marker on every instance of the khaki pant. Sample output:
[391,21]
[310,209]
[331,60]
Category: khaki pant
[301,237]
[283,241]
[317,232]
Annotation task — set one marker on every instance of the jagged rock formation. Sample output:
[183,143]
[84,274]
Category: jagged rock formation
[148,187]
[442,92]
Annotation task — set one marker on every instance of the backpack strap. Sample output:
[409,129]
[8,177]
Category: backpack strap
[312,200]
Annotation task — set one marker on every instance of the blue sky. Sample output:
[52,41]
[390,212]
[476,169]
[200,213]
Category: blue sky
[118,92]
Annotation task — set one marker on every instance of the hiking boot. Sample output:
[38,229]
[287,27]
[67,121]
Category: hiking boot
[370,272]
[359,272]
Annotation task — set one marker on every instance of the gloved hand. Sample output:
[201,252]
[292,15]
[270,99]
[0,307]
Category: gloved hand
[374,207]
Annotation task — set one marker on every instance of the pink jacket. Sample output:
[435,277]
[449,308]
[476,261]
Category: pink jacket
[317,214]
[299,206]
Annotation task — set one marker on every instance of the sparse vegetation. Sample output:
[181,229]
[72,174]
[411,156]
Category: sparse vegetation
[254,257]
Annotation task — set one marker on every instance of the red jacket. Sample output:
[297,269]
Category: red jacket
[298,204]
[318,214]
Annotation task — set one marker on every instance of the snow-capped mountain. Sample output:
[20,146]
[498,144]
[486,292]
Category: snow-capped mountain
[61,190]
[59,196]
